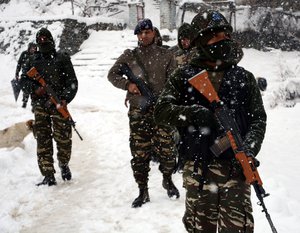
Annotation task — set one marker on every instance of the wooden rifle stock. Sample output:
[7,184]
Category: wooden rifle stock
[63,110]
[202,84]
[247,163]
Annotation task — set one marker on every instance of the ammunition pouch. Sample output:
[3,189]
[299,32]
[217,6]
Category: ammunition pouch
[221,144]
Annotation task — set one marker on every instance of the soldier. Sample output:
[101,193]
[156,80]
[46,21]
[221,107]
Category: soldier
[152,64]
[217,195]
[58,72]
[184,50]
[31,50]
[183,53]
[158,40]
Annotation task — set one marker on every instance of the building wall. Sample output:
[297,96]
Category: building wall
[136,12]
[167,14]
[293,5]
[133,16]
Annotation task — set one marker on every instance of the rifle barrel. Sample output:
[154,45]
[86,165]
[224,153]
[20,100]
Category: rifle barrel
[77,133]
[260,193]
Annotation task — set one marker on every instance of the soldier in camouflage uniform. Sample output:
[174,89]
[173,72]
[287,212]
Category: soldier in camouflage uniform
[152,64]
[183,53]
[217,195]
[184,50]
[58,72]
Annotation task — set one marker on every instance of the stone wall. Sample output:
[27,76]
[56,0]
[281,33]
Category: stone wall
[75,33]
[269,28]
[256,26]
[289,5]
[68,34]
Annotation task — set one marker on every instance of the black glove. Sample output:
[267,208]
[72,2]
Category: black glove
[203,117]
[40,91]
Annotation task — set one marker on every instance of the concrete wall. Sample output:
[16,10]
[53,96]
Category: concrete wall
[167,14]
[136,12]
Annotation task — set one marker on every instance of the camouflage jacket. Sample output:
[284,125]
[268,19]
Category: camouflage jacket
[182,106]
[183,56]
[159,63]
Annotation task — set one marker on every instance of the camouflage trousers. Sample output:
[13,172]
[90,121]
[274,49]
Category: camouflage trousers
[147,139]
[48,126]
[223,204]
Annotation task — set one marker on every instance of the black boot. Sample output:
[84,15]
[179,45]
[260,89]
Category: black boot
[65,172]
[48,180]
[170,187]
[141,199]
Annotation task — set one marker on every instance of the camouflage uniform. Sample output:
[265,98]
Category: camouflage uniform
[146,137]
[58,72]
[45,120]
[220,200]
[183,55]
[217,197]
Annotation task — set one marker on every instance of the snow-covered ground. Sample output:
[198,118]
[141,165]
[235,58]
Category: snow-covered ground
[99,197]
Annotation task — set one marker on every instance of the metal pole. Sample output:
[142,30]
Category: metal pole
[72,6]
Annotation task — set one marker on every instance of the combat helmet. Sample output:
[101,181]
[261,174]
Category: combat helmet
[208,22]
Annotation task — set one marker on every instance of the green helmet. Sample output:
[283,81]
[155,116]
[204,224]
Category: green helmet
[208,22]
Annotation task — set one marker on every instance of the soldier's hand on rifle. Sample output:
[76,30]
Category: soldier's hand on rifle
[132,88]
[216,106]
[40,91]
[63,104]
[255,160]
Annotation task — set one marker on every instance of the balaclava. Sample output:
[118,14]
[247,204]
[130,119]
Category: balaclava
[225,52]
[45,41]
[185,31]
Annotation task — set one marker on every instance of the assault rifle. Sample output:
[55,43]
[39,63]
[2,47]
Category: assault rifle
[141,84]
[249,165]
[63,110]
